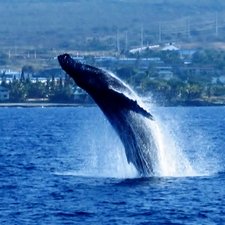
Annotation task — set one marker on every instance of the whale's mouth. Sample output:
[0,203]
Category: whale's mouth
[69,65]
[66,61]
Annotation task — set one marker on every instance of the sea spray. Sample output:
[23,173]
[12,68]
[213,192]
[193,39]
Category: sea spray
[103,154]
[172,161]
[197,139]
[185,146]
[106,154]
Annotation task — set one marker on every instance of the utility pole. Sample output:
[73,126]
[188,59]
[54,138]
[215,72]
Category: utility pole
[117,41]
[126,41]
[142,36]
[160,32]
[216,24]
[188,30]
[15,50]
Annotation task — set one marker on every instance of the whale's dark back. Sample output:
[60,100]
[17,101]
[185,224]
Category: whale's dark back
[127,117]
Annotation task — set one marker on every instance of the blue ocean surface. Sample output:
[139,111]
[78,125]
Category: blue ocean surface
[67,166]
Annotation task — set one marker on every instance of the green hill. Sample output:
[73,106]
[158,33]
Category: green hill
[84,23]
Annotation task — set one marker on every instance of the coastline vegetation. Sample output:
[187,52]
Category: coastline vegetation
[24,90]
[200,82]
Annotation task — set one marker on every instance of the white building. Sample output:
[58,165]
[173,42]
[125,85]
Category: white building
[170,47]
[9,75]
[144,48]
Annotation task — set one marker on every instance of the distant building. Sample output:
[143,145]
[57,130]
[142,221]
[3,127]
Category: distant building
[80,59]
[9,75]
[191,69]
[144,63]
[114,62]
[144,48]
[80,95]
[165,72]
[4,94]
[187,53]
[220,79]
[170,47]
[106,61]
[43,80]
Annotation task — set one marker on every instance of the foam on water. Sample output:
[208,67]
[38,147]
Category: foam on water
[105,154]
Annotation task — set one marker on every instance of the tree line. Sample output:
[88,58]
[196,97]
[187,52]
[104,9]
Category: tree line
[188,85]
[60,90]
[198,82]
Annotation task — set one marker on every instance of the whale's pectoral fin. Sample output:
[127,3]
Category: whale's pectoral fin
[138,109]
[130,104]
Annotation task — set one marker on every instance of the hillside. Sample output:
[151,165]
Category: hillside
[78,24]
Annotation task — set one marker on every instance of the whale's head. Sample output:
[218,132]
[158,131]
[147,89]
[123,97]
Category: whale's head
[89,78]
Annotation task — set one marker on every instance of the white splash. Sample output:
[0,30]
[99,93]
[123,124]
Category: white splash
[172,161]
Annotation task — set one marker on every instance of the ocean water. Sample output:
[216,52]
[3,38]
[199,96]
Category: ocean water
[67,166]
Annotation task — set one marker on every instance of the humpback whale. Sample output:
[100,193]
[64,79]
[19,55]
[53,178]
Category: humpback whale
[122,108]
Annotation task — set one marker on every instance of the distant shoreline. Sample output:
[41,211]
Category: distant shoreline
[41,105]
[48,105]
